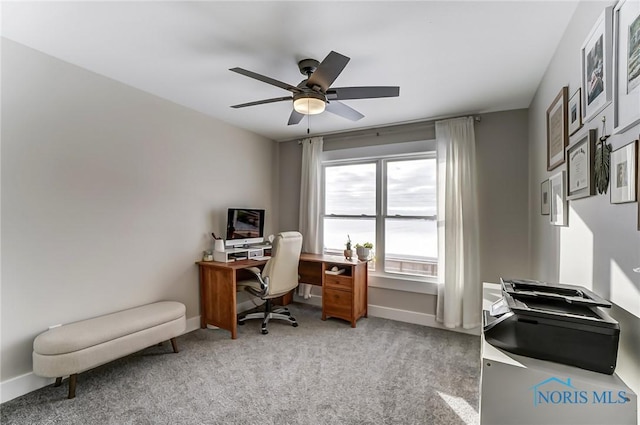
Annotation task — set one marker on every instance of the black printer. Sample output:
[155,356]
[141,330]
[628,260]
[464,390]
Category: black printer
[553,321]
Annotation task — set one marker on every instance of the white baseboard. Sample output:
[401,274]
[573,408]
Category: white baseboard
[314,300]
[415,318]
[24,384]
[21,385]
[192,324]
[394,314]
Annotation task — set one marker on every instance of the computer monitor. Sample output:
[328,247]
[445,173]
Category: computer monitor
[244,226]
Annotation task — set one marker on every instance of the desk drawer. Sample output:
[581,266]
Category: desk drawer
[338,282]
[337,303]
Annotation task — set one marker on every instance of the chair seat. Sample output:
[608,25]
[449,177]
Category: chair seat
[241,286]
[253,287]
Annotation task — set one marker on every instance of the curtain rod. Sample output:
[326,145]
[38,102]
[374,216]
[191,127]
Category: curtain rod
[385,130]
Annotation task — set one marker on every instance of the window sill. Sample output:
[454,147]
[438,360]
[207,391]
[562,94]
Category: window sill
[401,283]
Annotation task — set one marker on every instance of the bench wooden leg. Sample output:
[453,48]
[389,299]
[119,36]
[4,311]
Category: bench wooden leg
[72,385]
[58,382]
[174,344]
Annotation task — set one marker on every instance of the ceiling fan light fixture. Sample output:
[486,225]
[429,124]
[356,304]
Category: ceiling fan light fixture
[309,103]
[311,94]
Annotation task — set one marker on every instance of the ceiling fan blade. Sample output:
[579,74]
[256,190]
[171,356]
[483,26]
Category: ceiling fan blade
[295,117]
[343,110]
[343,93]
[261,102]
[328,71]
[267,80]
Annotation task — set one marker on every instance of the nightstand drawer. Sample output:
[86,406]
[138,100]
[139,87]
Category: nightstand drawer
[338,282]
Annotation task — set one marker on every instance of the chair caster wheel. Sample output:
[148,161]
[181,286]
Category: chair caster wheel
[240,323]
[295,325]
[264,332]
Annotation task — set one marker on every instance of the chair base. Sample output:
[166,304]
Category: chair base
[269,313]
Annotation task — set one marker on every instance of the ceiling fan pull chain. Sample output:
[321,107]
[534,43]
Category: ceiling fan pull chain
[308,117]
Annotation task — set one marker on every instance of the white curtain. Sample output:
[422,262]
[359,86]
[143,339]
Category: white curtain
[460,290]
[310,190]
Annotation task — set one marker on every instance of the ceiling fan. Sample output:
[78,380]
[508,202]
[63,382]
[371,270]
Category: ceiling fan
[313,95]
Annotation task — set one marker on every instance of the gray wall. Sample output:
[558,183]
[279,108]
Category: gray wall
[601,244]
[109,195]
[503,197]
[501,140]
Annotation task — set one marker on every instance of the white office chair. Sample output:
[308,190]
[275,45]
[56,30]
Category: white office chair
[279,276]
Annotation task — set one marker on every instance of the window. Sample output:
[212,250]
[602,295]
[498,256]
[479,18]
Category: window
[389,201]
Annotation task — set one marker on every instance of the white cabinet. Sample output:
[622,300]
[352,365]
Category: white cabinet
[516,389]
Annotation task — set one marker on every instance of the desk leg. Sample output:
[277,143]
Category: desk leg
[218,299]
[203,307]
[366,291]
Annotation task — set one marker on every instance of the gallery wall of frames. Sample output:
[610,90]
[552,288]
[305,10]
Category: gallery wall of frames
[583,163]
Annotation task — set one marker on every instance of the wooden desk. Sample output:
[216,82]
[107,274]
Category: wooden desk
[343,296]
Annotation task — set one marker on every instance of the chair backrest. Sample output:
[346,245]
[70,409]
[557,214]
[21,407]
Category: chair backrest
[282,268]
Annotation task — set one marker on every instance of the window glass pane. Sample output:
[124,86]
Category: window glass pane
[411,246]
[411,187]
[337,229]
[350,189]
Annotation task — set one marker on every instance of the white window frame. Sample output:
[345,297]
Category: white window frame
[384,213]
[381,155]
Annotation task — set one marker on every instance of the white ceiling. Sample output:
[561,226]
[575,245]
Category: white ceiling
[448,57]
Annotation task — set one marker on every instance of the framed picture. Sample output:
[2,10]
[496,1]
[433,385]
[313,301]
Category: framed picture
[596,66]
[544,197]
[623,174]
[575,112]
[626,65]
[580,170]
[557,135]
[557,200]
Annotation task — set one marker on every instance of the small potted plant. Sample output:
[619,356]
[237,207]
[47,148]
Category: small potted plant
[347,252]
[364,251]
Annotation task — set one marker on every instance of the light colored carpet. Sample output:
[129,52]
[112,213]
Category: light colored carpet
[382,372]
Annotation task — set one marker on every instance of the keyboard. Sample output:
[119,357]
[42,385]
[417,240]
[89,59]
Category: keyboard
[265,257]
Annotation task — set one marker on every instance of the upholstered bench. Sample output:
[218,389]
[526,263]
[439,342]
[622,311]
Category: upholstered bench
[80,346]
